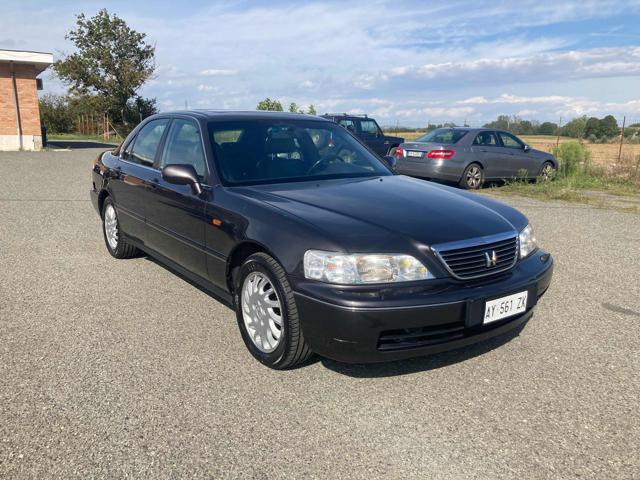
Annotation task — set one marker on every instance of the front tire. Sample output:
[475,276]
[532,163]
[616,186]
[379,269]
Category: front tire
[267,314]
[472,177]
[547,172]
[113,239]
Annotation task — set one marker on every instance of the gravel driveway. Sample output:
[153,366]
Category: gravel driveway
[112,369]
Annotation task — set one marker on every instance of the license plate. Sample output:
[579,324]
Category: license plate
[414,154]
[505,307]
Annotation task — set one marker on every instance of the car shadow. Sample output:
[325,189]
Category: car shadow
[78,144]
[420,364]
[189,281]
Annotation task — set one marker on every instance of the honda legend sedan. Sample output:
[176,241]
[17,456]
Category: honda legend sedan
[313,240]
[469,156]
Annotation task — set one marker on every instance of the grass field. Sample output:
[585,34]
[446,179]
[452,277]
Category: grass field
[87,138]
[601,153]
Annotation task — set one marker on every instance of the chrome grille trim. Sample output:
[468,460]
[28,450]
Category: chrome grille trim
[465,259]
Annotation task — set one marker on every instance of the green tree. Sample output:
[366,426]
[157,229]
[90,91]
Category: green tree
[609,127]
[112,61]
[592,128]
[547,128]
[55,113]
[293,108]
[311,110]
[575,128]
[270,105]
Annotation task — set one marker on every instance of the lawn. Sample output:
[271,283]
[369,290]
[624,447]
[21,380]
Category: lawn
[87,138]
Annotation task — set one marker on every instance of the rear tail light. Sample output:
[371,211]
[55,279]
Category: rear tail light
[443,154]
[399,152]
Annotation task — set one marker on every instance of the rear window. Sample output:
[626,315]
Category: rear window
[442,135]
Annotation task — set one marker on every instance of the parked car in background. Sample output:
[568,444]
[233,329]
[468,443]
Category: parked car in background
[368,131]
[313,240]
[471,156]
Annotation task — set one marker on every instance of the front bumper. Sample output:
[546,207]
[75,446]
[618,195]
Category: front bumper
[373,324]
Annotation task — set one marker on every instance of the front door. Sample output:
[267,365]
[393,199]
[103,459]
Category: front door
[134,170]
[176,215]
[517,160]
[373,136]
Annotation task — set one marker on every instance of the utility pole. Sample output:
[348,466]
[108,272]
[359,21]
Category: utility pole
[624,119]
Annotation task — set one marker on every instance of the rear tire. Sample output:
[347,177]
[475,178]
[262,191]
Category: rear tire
[472,177]
[117,246]
[267,314]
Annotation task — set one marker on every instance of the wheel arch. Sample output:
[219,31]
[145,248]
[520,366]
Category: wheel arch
[102,196]
[239,254]
[477,162]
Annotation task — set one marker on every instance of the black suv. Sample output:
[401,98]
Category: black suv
[368,131]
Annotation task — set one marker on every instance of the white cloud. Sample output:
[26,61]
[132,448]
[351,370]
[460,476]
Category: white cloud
[601,62]
[218,72]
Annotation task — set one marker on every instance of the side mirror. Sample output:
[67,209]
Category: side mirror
[526,147]
[182,174]
[390,161]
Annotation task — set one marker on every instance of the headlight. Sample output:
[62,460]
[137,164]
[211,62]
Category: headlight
[362,268]
[528,243]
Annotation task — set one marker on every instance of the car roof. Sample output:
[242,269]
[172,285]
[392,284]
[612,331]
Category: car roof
[231,115]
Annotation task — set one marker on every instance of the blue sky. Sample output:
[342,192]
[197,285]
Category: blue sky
[405,62]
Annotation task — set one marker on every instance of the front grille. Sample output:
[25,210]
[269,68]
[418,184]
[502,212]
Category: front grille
[419,337]
[471,261]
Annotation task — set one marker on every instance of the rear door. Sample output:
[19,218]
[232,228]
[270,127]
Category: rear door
[487,150]
[373,136]
[175,215]
[516,159]
[134,170]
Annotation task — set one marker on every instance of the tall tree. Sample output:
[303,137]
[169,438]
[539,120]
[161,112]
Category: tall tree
[268,104]
[112,60]
[311,110]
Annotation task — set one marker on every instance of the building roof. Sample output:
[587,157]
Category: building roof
[40,60]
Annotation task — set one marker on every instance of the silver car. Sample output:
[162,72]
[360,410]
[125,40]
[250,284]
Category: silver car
[470,156]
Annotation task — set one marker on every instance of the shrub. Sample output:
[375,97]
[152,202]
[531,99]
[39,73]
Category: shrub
[571,156]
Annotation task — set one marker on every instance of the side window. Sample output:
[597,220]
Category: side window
[184,146]
[348,124]
[486,139]
[146,143]
[369,127]
[510,141]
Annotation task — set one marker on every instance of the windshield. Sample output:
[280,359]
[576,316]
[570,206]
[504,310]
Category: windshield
[271,151]
[442,135]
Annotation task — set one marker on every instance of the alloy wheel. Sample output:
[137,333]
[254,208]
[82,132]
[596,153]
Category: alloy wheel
[111,226]
[474,177]
[261,312]
[547,172]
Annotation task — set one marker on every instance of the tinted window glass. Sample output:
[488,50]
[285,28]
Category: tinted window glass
[275,151]
[442,135]
[369,127]
[487,139]
[146,143]
[510,141]
[184,146]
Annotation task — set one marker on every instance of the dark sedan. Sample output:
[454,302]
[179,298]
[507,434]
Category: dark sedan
[313,240]
[469,156]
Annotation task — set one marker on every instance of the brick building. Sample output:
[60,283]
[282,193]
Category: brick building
[19,113]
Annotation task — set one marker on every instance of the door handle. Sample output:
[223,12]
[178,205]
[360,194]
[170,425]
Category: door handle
[154,183]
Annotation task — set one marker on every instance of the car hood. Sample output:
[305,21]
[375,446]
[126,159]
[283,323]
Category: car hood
[357,213]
